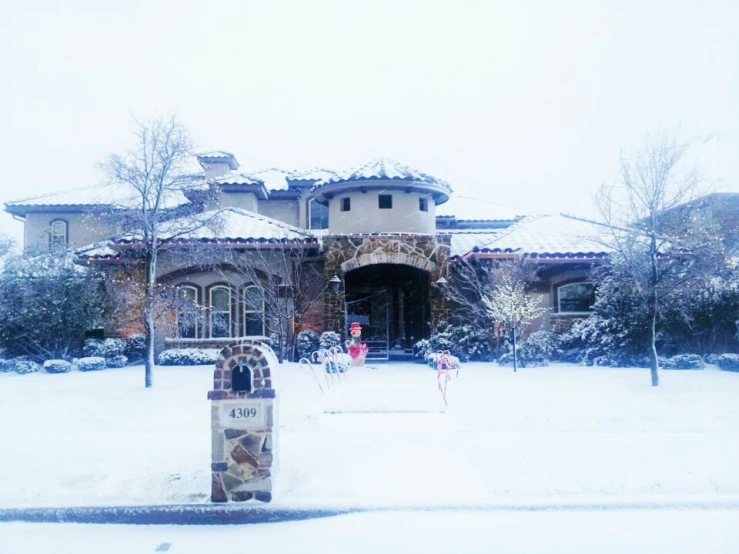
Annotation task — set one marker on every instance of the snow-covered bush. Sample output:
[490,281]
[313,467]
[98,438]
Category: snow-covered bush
[307,343]
[703,319]
[711,359]
[57,366]
[728,362]
[107,348]
[23,365]
[48,302]
[5,366]
[135,349]
[189,356]
[329,339]
[116,361]
[536,350]
[466,342]
[683,361]
[90,363]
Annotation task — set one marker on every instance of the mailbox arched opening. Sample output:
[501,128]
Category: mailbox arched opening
[241,378]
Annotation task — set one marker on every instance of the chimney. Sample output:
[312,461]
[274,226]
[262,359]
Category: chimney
[217,163]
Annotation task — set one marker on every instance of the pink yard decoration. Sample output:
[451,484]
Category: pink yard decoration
[357,350]
[444,366]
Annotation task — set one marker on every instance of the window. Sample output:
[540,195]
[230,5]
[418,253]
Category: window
[253,312]
[58,238]
[346,204]
[385,201]
[187,312]
[575,298]
[317,215]
[423,204]
[220,312]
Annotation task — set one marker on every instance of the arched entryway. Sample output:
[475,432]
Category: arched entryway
[391,302]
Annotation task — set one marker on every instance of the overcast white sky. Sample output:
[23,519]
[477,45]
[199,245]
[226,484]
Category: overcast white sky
[524,103]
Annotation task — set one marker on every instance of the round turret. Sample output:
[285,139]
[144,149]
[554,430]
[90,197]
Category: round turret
[382,196]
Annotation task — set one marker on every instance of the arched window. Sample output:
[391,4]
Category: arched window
[574,298]
[188,312]
[220,312]
[253,311]
[59,234]
[317,215]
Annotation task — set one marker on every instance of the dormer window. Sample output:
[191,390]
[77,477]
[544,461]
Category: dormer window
[59,237]
[385,201]
[346,204]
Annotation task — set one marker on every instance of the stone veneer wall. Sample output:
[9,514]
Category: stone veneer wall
[343,253]
[242,462]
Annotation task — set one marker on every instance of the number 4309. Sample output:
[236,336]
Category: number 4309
[240,413]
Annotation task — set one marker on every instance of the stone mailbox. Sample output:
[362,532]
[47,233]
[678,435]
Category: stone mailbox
[243,423]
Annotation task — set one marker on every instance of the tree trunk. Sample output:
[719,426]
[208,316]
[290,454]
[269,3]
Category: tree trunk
[653,361]
[150,279]
[515,354]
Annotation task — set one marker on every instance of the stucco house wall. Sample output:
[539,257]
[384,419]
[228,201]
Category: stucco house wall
[365,216]
[82,229]
[283,210]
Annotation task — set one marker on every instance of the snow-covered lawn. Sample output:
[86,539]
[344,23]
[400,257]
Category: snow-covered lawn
[383,438]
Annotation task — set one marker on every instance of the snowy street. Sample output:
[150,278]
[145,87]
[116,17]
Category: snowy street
[558,434]
[635,532]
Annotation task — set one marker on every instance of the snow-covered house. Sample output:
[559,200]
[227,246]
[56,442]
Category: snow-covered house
[389,233]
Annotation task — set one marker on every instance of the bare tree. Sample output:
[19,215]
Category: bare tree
[509,301]
[156,172]
[657,245]
[472,279]
[280,281]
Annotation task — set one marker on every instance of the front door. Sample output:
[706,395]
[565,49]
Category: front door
[390,302]
[371,312]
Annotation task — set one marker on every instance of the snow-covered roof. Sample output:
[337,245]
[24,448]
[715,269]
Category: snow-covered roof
[465,241]
[234,224]
[549,236]
[104,196]
[384,169]
[272,178]
[216,154]
[100,249]
[234,178]
[315,174]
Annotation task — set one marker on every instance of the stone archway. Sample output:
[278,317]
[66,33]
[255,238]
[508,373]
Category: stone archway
[395,258]
[342,254]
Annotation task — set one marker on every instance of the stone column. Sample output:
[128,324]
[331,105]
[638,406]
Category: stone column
[441,307]
[334,311]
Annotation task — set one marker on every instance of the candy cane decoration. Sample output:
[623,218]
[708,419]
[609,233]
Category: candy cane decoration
[301,364]
[336,354]
[443,366]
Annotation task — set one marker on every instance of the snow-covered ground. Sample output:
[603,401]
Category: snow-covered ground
[559,434]
[632,532]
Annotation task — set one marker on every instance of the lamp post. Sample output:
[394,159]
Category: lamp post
[442,284]
[334,284]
